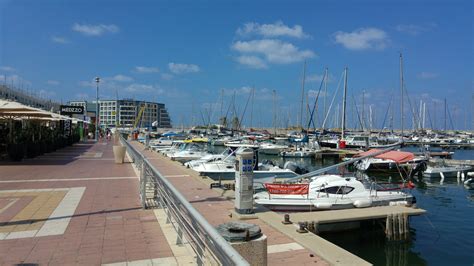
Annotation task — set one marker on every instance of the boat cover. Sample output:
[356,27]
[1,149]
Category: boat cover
[292,189]
[396,156]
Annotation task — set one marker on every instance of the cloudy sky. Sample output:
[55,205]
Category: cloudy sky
[187,54]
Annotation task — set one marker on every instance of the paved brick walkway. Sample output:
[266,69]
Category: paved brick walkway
[75,207]
[215,208]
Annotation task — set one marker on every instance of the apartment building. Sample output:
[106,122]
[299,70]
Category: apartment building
[123,113]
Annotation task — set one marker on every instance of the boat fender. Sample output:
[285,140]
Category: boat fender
[323,205]
[363,203]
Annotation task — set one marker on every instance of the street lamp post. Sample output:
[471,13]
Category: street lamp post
[97,114]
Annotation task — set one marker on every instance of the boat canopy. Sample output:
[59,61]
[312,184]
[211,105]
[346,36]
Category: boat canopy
[396,156]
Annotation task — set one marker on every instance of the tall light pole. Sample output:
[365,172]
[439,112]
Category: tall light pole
[97,115]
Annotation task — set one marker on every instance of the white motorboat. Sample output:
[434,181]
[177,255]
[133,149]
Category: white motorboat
[191,151]
[329,192]
[176,146]
[208,158]
[225,168]
[271,148]
[301,152]
[446,171]
[389,161]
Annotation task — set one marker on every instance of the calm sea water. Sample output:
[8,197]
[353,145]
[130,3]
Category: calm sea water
[443,236]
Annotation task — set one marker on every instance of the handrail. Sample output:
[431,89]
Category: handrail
[204,238]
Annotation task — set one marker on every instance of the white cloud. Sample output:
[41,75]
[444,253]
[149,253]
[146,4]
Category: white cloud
[95,30]
[177,68]
[53,82]
[143,69]
[7,68]
[84,83]
[414,29]
[427,75]
[46,94]
[251,61]
[120,78]
[17,81]
[318,78]
[81,96]
[137,88]
[260,94]
[274,51]
[166,76]
[58,39]
[362,39]
[276,29]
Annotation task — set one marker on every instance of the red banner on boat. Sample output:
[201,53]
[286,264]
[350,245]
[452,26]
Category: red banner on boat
[293,189]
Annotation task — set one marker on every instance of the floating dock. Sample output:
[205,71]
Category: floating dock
[344,219]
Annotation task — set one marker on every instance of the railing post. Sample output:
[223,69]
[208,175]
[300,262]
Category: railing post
[179,238]
[143,185]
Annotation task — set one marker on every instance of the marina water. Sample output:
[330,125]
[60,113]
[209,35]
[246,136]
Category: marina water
[442,236]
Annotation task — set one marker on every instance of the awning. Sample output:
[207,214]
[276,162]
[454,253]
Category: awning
[16,110]
[396,156]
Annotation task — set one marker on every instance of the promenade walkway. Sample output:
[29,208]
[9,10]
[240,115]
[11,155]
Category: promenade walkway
[77,207]
[215,206]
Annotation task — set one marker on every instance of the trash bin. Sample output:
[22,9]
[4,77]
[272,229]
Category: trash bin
[247,239]
[119,153]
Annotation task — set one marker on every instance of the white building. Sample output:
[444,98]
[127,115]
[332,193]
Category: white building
[123,113]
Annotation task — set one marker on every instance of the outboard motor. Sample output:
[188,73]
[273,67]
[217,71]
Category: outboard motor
[268,162]
[295,168]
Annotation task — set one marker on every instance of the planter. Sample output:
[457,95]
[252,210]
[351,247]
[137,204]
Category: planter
[119,153]
[15,152]
[32,150]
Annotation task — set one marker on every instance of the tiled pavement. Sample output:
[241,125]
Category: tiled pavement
[215,208]
[76,207]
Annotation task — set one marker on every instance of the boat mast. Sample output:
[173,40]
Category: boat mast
[251,111]
[325,89]
[363,109]
[222,106]
[302,96]
[401,94]
[343,127]
[445,115]
[274,112]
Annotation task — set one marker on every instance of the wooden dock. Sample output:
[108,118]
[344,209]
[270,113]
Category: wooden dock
[459,162]
[335,153]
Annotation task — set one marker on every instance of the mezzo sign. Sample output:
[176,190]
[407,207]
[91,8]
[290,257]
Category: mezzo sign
[70,109]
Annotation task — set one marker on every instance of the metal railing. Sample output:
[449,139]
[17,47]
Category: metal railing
[210,247]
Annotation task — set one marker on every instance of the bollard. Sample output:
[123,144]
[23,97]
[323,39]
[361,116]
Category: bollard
[302,228]
[247,239]
[286,219]
[311,226]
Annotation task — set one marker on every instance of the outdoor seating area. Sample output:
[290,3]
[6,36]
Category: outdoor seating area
[27,132]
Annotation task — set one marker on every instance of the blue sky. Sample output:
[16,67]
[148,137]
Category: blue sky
[185,53]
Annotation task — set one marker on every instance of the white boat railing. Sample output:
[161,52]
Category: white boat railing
[210,247]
